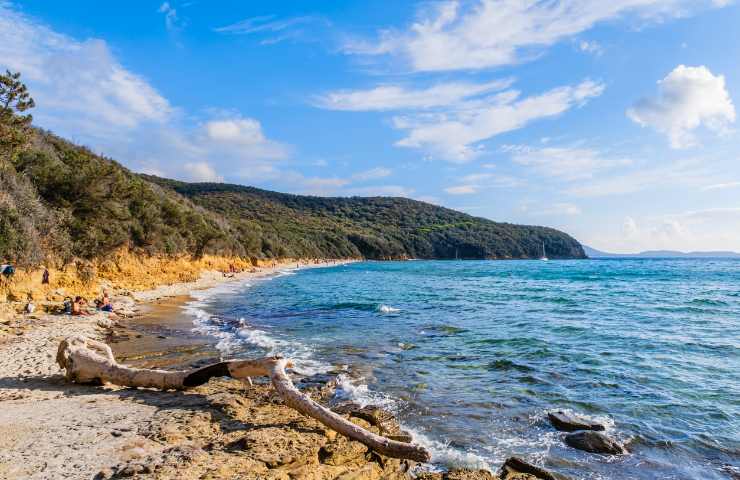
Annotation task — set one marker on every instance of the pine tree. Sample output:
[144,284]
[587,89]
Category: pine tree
[14,124]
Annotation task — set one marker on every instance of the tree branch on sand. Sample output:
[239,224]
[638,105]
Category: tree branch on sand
[89,361]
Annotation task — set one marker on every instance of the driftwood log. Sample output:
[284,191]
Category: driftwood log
[89,361]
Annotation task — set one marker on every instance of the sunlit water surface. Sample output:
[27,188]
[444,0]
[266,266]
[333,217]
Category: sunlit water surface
[471,355]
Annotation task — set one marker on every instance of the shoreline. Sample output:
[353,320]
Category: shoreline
[54,429]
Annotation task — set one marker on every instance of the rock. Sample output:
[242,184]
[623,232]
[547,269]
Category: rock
[514,468]
[566,422]
[342,451]
[457,474]
[384,420]
[465,474]
[594,442]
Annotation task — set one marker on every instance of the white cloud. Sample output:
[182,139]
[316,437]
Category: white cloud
[243,136]
[172,22]
[591,47]
[79,86]
[569,163]
[721,186]
[560,209]
[688,98]
[683,173]
[84,93]
[201,172]
[394,97]
[455,35]
[475,182]
[462,190]
[629,227]
[372,174]
[274,29]
[455,135]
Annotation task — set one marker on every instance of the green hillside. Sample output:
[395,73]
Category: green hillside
[60,201]
[374,227]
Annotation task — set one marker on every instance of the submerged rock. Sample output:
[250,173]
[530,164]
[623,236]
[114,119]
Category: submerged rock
[514,468]
[594,442]
[566,422]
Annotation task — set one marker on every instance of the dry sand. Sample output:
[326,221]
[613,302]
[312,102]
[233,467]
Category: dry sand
[52,429]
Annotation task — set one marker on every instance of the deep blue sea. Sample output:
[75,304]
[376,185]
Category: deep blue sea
[472,354]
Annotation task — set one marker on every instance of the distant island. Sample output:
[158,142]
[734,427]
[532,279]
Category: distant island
[593,253]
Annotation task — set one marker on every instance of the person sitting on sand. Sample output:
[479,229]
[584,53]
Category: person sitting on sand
[105,304]
[77,306]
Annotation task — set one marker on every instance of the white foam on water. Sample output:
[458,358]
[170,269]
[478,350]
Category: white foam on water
[232,336]
[449,457]
[387,309]
[359,393]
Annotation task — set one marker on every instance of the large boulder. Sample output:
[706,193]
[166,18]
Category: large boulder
[514,468]
[594,442]
[567,422]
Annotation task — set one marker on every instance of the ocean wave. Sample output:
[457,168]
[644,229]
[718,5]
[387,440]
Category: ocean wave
[445,455]
[387,309]
[232,336]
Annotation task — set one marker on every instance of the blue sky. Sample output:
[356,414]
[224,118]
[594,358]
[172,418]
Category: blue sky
[614,121]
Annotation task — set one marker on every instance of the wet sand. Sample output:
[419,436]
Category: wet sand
[162,337]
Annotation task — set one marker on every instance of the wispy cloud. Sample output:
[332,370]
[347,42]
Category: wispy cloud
[396,97]
[372,174]
[456,135]
[477,182]
[457,35]
[721,186]
[591,46]
[683,173]
[564,162]
[274,29]
[172,21]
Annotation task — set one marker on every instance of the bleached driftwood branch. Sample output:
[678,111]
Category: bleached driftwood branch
[90,361]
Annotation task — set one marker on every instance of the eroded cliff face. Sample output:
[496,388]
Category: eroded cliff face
[122,271]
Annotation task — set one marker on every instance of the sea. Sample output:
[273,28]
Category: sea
[472,355]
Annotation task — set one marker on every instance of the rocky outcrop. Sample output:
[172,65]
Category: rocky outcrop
[514,468]
[222,430]
[458,474]
[594,442]
[567,422]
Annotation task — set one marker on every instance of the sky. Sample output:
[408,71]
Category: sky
[613,121]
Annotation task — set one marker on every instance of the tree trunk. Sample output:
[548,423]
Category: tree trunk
[90,361]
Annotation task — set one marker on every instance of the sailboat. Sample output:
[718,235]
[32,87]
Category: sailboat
[544,255]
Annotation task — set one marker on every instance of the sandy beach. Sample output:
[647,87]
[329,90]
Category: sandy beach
[54,429]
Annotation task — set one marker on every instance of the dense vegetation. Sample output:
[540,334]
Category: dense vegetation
[375,227]
[60,201]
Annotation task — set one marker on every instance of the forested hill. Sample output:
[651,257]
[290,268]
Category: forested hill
[60,202]
[281,224]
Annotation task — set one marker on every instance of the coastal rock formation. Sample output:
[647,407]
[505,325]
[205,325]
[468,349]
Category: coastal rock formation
[458,474]
[514,468]
[594,442]
[90,361]
[567,422]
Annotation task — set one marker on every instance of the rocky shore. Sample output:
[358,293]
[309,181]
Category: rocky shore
[52,429]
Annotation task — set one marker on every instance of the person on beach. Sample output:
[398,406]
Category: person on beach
[67,305]
[104,304]
[77,306]
[45,277]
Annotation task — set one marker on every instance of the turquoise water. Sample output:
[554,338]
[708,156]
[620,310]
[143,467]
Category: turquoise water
[471,355]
